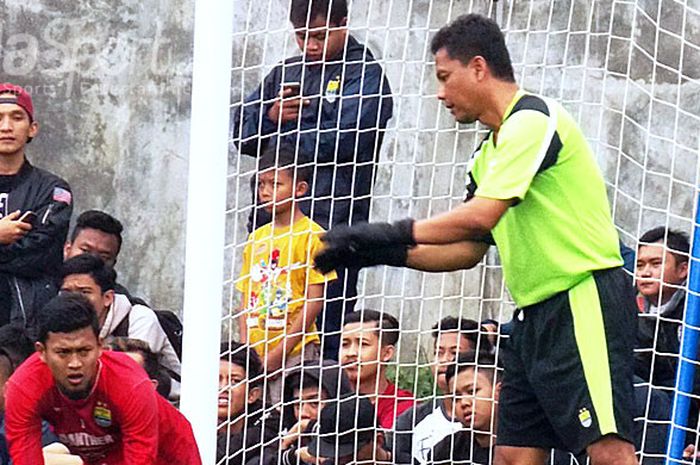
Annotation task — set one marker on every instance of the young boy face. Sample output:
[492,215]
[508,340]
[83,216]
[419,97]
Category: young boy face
[654,264]
[447,346]
[474,398]
[360,351]
[308,403]
[233,384]
[277,189]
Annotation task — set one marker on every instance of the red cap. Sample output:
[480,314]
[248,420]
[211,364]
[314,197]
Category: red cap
[22,98]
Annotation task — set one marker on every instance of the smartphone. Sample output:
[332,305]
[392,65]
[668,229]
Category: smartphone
[28,217]
[294,86]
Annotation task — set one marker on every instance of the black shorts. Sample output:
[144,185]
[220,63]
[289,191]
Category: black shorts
[568,367]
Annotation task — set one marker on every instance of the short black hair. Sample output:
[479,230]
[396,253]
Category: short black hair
[150,361]
[466,327]
[245,357]
[387,325]
[283,158]
[15,344]
[483,360]
[89,264]
[302,12]
[475,35]
[96,219]
[676,242]
[67,313]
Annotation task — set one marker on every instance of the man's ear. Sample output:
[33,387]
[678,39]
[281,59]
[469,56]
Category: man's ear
[254,394]
[497,391]
[683,270]
[33,129]
[480,67]
[41,348]
[109,297]
[386,353]
[66,249]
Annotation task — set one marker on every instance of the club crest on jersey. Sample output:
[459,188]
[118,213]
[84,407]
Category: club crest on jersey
[332,89]
[584,416]
[102,415]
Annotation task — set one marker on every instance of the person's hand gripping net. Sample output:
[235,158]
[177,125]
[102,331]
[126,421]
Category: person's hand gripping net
[366,244]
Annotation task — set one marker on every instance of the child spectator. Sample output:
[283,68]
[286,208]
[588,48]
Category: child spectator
[474,382]
[244,430]
[141,353]
[282,292]
[433,421]
[367,345]
[307,390]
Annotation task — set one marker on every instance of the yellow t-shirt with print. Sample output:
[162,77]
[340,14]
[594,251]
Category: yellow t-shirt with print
[277,268]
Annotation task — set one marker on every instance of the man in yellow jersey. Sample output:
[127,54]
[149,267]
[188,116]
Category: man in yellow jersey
[534,190]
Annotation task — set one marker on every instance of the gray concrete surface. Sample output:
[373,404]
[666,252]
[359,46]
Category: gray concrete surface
[111,83]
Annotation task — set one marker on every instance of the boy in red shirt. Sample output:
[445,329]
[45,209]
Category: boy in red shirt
[101,405]
[368,343]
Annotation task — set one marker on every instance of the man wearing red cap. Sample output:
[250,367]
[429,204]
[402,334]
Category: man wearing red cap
[35,210]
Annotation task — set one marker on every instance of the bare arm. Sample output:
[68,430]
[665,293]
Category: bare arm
[447,257]
[299,326]
[470,220]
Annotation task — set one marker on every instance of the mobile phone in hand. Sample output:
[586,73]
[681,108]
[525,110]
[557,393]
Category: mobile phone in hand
[294,86]
[28,217]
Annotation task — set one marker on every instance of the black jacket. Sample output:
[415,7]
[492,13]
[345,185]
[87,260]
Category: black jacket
[658,343]
[257,444]
[30,266]
[340,131]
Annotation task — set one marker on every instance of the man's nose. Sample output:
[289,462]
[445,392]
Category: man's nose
[74,361]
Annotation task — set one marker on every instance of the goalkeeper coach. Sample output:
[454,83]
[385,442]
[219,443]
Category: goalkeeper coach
[533,188]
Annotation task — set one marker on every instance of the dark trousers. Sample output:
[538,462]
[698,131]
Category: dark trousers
[341,296]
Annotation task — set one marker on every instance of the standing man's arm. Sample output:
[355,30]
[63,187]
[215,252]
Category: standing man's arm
[139,424]
[31,255]
[23,426]
[258,118]
[471,220]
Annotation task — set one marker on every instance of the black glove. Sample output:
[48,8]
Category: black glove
[366,244]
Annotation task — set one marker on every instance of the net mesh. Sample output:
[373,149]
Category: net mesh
[628,71]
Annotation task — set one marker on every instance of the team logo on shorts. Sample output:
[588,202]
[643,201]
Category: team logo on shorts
[584,416]
[102,415]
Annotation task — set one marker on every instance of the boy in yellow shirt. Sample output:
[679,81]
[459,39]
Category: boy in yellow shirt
[282,292]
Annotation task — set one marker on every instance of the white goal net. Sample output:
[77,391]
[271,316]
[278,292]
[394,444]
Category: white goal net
[629,73]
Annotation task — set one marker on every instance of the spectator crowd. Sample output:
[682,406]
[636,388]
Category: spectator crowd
[90,373]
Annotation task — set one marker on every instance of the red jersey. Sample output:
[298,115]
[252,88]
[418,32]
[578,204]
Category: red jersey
[392,403]
[122,421]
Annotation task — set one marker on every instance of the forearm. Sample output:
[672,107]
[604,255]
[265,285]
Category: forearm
[298,328]
[471,220]
[447,257]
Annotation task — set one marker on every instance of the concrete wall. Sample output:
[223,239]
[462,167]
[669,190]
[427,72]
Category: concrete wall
[111,83]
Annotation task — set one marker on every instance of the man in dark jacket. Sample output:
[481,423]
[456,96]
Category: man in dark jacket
[662,269]
[332,103]
[35,207]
